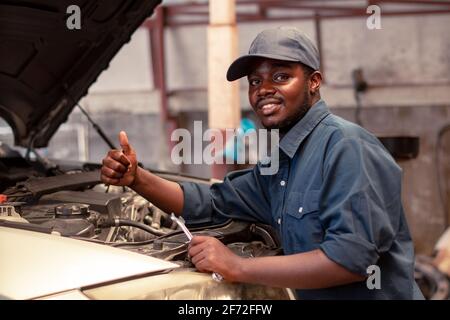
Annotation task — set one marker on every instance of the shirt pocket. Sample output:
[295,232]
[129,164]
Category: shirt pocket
[303,230]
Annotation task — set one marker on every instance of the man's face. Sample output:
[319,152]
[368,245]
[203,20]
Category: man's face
[278,92]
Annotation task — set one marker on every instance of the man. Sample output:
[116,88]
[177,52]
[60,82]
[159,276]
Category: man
[335,200]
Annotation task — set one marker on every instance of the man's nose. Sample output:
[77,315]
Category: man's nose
[266,88]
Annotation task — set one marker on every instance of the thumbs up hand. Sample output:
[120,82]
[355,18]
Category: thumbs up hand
[119,166]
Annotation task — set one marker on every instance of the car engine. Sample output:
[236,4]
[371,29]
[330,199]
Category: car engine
[77,205]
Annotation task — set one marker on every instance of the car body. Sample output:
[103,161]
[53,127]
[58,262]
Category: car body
[64,234]
[38,265]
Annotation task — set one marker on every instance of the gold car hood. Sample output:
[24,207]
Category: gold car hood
[34,264]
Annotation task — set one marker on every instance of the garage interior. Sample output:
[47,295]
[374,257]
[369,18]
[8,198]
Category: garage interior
[393,81]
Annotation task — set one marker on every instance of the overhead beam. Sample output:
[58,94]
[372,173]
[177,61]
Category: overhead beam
[197,13]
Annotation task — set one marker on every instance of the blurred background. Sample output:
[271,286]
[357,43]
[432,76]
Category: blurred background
[393,80]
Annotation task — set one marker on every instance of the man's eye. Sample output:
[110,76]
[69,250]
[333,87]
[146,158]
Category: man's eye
[253,82]
[281,77]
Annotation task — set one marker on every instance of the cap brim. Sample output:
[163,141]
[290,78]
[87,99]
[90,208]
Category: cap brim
[242,65]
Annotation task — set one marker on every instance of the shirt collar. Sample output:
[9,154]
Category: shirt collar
[295,136]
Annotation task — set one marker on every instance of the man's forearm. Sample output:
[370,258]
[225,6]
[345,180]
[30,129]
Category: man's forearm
[166,195]
[309,270]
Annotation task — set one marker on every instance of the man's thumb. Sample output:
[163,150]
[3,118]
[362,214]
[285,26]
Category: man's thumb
[123,140]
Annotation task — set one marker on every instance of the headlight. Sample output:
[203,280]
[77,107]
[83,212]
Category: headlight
[183,285]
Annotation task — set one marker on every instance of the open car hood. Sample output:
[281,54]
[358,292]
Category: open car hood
[45,68]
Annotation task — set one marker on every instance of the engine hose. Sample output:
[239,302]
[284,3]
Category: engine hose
[117,222]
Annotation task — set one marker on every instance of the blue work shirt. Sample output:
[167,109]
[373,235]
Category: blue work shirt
[337,189]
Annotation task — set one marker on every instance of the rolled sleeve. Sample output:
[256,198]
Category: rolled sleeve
[360,193]
[350,251]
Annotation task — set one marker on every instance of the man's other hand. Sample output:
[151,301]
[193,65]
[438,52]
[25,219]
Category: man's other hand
[208,254]
[119,166]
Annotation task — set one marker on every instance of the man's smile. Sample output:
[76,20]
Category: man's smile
[269,106]
[269,109]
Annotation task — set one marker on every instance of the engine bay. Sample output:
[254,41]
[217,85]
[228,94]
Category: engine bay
[76,204]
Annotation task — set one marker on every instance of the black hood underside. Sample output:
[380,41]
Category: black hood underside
[45,67]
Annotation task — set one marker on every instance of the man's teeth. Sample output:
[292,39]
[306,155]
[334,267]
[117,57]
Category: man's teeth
[269,108]
[270,105]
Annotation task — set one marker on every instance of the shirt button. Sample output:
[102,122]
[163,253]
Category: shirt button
[282,183]
[279,220]
[300,210]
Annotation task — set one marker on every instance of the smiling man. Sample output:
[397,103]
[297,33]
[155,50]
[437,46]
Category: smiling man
[335,200]
[279,94]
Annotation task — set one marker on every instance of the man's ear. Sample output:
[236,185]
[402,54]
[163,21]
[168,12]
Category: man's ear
[315,80]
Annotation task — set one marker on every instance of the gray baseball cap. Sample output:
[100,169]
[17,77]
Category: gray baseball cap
[282,43]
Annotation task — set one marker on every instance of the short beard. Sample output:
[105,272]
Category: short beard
[303,109]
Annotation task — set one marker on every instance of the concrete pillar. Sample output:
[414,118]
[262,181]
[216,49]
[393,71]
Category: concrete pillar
[223,96]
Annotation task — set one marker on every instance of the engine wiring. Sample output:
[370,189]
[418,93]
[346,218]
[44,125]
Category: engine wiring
[17,193]
[118,222]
